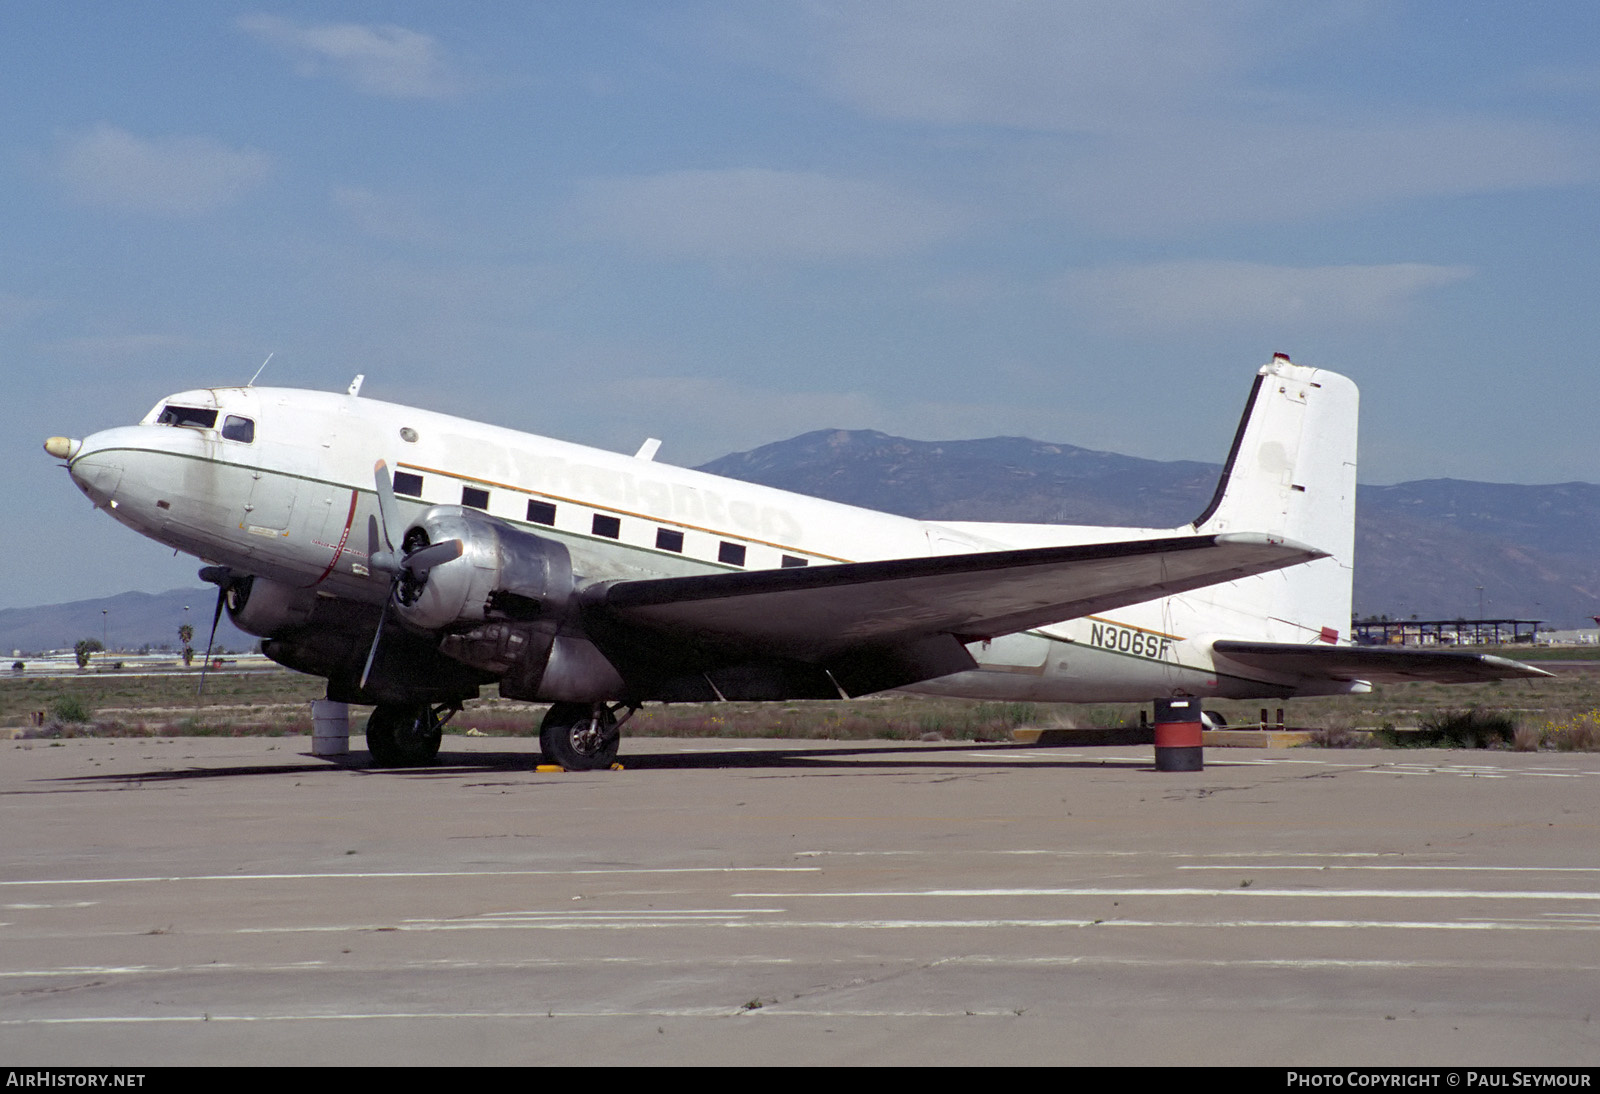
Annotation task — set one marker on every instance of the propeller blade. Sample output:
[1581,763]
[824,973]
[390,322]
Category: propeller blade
[388,518]
[216,617]
[377,636]
[422,561]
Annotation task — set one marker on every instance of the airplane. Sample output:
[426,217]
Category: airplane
[411,558]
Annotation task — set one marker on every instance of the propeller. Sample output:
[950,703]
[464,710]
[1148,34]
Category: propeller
[221,577]
[410,568]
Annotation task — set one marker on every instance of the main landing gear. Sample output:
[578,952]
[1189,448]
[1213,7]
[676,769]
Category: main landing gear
[406,735]
[582,736]
[577,736]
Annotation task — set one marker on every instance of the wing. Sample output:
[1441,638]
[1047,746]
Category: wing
[904,620]
[1379,665]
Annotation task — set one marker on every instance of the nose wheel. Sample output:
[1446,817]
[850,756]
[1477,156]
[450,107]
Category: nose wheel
[581,736]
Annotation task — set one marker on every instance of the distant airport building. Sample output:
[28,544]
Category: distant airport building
[1582,637]
[1444,632]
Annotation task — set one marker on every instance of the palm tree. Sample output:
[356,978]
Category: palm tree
[84,647]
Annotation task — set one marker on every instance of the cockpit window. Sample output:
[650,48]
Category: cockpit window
[235,428]
[198,417]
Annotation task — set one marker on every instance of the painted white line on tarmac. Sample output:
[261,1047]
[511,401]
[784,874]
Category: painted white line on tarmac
[1026,922]
[1459,869]
[373,1016]
[343,968]
[408,874]
[552,923]
[1180,924]
[1053,853]
[1003,961]
[1252,891]
[159,970]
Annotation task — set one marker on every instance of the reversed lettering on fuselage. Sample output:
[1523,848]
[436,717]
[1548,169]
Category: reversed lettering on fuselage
[621,492]
[1130,640]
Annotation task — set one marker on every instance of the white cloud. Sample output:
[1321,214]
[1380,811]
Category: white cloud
[386,217]
[1559,79]
[166,176]
[757,213]
[1142,116]
[379,59]
[1050,65]
[16,309]
[113,347]
[1205,295]
[1148,181]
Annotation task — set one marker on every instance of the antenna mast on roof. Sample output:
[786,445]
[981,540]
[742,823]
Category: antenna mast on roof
[252,382]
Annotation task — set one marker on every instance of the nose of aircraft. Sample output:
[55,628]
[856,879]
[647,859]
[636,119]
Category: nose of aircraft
[96,474]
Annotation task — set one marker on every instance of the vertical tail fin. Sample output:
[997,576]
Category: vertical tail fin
[1292,472]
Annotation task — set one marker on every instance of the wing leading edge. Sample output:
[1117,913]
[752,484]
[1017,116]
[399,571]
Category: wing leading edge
[819,614]
[1378,665]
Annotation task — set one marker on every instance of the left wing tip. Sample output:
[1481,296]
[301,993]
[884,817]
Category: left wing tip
[1520,668]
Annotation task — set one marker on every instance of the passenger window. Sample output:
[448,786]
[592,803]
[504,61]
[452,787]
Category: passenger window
[474,498]
[235,428]
[541,512]
[408,484]
[610,527]
[669,540]
[731,553]
[199,418]
[790,562]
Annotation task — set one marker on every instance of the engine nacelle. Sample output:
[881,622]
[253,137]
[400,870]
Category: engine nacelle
[501,607]
[502,575]
[263,607]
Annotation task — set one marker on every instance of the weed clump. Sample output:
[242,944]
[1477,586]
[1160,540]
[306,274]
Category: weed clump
[1337,736]
[1575,733]
[70,709]
[1473,727]
[1338,731]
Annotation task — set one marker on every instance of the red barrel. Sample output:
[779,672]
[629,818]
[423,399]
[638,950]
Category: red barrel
[1178,735]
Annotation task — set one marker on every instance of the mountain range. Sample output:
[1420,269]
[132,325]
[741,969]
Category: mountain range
[124,622]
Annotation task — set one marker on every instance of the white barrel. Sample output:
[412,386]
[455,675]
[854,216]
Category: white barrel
[330,728]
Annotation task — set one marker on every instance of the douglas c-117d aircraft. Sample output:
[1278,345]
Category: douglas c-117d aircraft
[411,558]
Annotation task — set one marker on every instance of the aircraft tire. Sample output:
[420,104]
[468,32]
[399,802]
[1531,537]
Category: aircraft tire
[579,736]
[403,736]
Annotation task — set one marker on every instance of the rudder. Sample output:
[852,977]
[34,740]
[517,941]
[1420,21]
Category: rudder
[1292,472]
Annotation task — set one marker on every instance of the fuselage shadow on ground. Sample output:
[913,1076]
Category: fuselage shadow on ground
[953,756]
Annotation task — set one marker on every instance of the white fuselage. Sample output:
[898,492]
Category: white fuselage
[295,503]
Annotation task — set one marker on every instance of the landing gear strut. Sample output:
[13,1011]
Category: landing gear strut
[581,736]
[402,735]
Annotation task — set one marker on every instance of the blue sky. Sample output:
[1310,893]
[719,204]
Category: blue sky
[726,224]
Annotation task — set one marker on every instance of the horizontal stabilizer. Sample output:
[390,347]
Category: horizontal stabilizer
[1375,664]
[816,613]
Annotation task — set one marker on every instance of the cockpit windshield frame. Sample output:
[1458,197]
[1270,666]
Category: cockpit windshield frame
[195,417]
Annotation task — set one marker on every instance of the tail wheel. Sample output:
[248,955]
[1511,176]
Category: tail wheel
[580,736]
